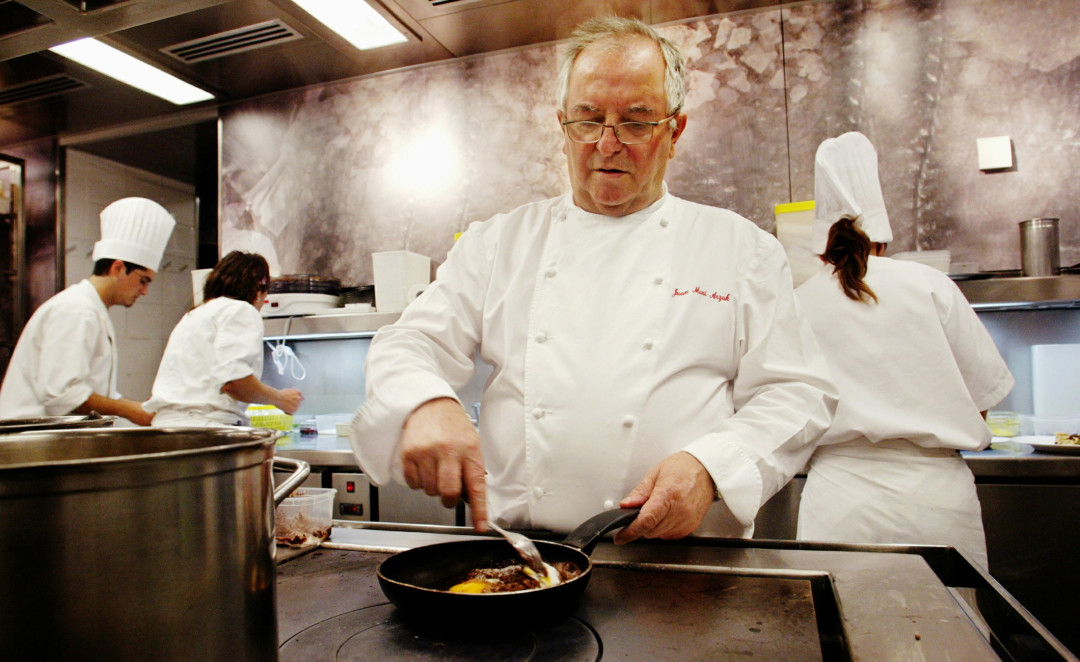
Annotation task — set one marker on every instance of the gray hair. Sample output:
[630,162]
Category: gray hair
[614,28]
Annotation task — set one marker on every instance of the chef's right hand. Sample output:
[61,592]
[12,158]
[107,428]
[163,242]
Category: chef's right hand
[440,453]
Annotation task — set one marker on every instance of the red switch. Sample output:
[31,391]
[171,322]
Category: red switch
[350,486]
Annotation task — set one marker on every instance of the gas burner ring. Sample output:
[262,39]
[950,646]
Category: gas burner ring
[379,633]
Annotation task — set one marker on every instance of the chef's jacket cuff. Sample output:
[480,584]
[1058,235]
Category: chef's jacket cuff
[734,472]
[375,433]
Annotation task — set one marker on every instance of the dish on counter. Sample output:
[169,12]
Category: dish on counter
[1048,445]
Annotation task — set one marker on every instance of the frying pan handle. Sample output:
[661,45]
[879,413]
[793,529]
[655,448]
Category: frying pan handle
[300,471]
[588,533]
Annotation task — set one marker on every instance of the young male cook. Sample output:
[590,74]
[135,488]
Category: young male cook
[66,359]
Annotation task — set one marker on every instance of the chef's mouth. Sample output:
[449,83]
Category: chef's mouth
[611,171]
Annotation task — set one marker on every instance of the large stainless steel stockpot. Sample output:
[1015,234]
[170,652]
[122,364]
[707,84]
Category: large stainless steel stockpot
[139,544]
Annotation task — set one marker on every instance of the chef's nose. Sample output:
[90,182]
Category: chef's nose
[609,143]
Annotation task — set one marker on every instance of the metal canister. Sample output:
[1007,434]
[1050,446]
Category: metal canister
[1039,250]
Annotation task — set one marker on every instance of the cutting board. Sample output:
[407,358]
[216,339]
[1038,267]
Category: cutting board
[1055,380]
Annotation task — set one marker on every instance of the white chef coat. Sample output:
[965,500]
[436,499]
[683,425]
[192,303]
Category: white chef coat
[217,342]
[66,352]
[914,372]
[615,342]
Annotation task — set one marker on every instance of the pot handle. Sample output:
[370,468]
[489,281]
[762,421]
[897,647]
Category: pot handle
[586,535]
[300,471]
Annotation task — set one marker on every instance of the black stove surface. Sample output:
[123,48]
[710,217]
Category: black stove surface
[330,607]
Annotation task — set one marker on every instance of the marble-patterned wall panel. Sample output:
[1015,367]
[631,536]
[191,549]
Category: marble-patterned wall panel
[322,178]
[733,153]
[330,175]
[326,176]
[924,80]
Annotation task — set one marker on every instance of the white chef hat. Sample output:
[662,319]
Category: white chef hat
[134,230]
[846,185]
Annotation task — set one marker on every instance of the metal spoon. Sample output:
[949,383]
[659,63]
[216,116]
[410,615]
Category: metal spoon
[528,552]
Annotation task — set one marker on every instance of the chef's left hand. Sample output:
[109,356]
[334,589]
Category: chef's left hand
[674,497]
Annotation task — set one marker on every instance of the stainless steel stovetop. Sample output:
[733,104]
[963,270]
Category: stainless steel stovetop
[700,600]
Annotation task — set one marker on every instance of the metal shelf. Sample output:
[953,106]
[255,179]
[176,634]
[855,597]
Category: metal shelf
[1023,293]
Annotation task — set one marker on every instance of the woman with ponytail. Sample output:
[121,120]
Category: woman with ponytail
[915,368]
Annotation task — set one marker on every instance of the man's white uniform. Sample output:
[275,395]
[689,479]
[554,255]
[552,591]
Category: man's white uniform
[615,342]
[65,353]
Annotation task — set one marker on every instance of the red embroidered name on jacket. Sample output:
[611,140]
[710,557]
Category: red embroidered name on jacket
[716,296]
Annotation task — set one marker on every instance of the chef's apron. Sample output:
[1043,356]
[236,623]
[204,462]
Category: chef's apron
[892,491]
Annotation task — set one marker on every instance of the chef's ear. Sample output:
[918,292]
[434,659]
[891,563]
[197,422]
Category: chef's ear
[680,126]
[117,268]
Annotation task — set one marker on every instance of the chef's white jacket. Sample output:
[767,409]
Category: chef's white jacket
[214,343]
[65,353]
[615,342]
[914,371]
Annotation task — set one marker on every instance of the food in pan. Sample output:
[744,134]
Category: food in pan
[1066,439]
[510,577]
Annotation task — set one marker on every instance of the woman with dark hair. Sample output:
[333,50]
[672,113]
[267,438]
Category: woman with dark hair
[212,364]
[915,368]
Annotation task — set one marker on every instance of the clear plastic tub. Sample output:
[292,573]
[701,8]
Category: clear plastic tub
[305,517]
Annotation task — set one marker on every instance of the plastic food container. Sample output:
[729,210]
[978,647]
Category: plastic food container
[269,416]
[1003,423]
[305,517]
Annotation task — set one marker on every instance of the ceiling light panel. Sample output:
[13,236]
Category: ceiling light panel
[132,71]
[356,21]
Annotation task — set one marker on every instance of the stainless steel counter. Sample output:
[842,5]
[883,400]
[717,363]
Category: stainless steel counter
[324,450]
[1004,460]
[888,602]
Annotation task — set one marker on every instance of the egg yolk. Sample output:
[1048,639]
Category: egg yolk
[470,586]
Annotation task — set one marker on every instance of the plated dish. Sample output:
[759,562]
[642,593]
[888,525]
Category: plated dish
[1048,445]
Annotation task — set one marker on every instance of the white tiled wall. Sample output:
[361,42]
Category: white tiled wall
[90,184]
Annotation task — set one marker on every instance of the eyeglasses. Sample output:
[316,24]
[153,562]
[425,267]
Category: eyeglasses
[628,133]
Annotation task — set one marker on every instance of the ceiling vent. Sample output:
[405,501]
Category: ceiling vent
[231,42]
[39,89]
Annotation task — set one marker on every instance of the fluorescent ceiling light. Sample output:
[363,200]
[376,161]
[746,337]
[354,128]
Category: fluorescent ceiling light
[355,20]
[127,69]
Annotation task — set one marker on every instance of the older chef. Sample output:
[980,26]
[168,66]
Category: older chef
[914,366]
[66,359]
[214,359]
[646,351]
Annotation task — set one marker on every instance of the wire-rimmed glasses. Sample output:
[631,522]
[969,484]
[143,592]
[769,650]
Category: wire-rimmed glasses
[628,133]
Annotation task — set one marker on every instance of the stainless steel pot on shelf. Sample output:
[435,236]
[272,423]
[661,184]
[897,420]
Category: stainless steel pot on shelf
[140,544]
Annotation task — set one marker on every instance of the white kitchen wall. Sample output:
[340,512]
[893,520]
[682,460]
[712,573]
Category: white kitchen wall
[90,183]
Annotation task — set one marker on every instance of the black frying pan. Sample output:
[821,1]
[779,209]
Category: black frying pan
[416,580]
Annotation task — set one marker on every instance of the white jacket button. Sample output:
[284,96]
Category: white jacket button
[541,337]
[538,492]
[659,280]
[628,422]
[550,273]
[663,222]
[538,413]
[648,344]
